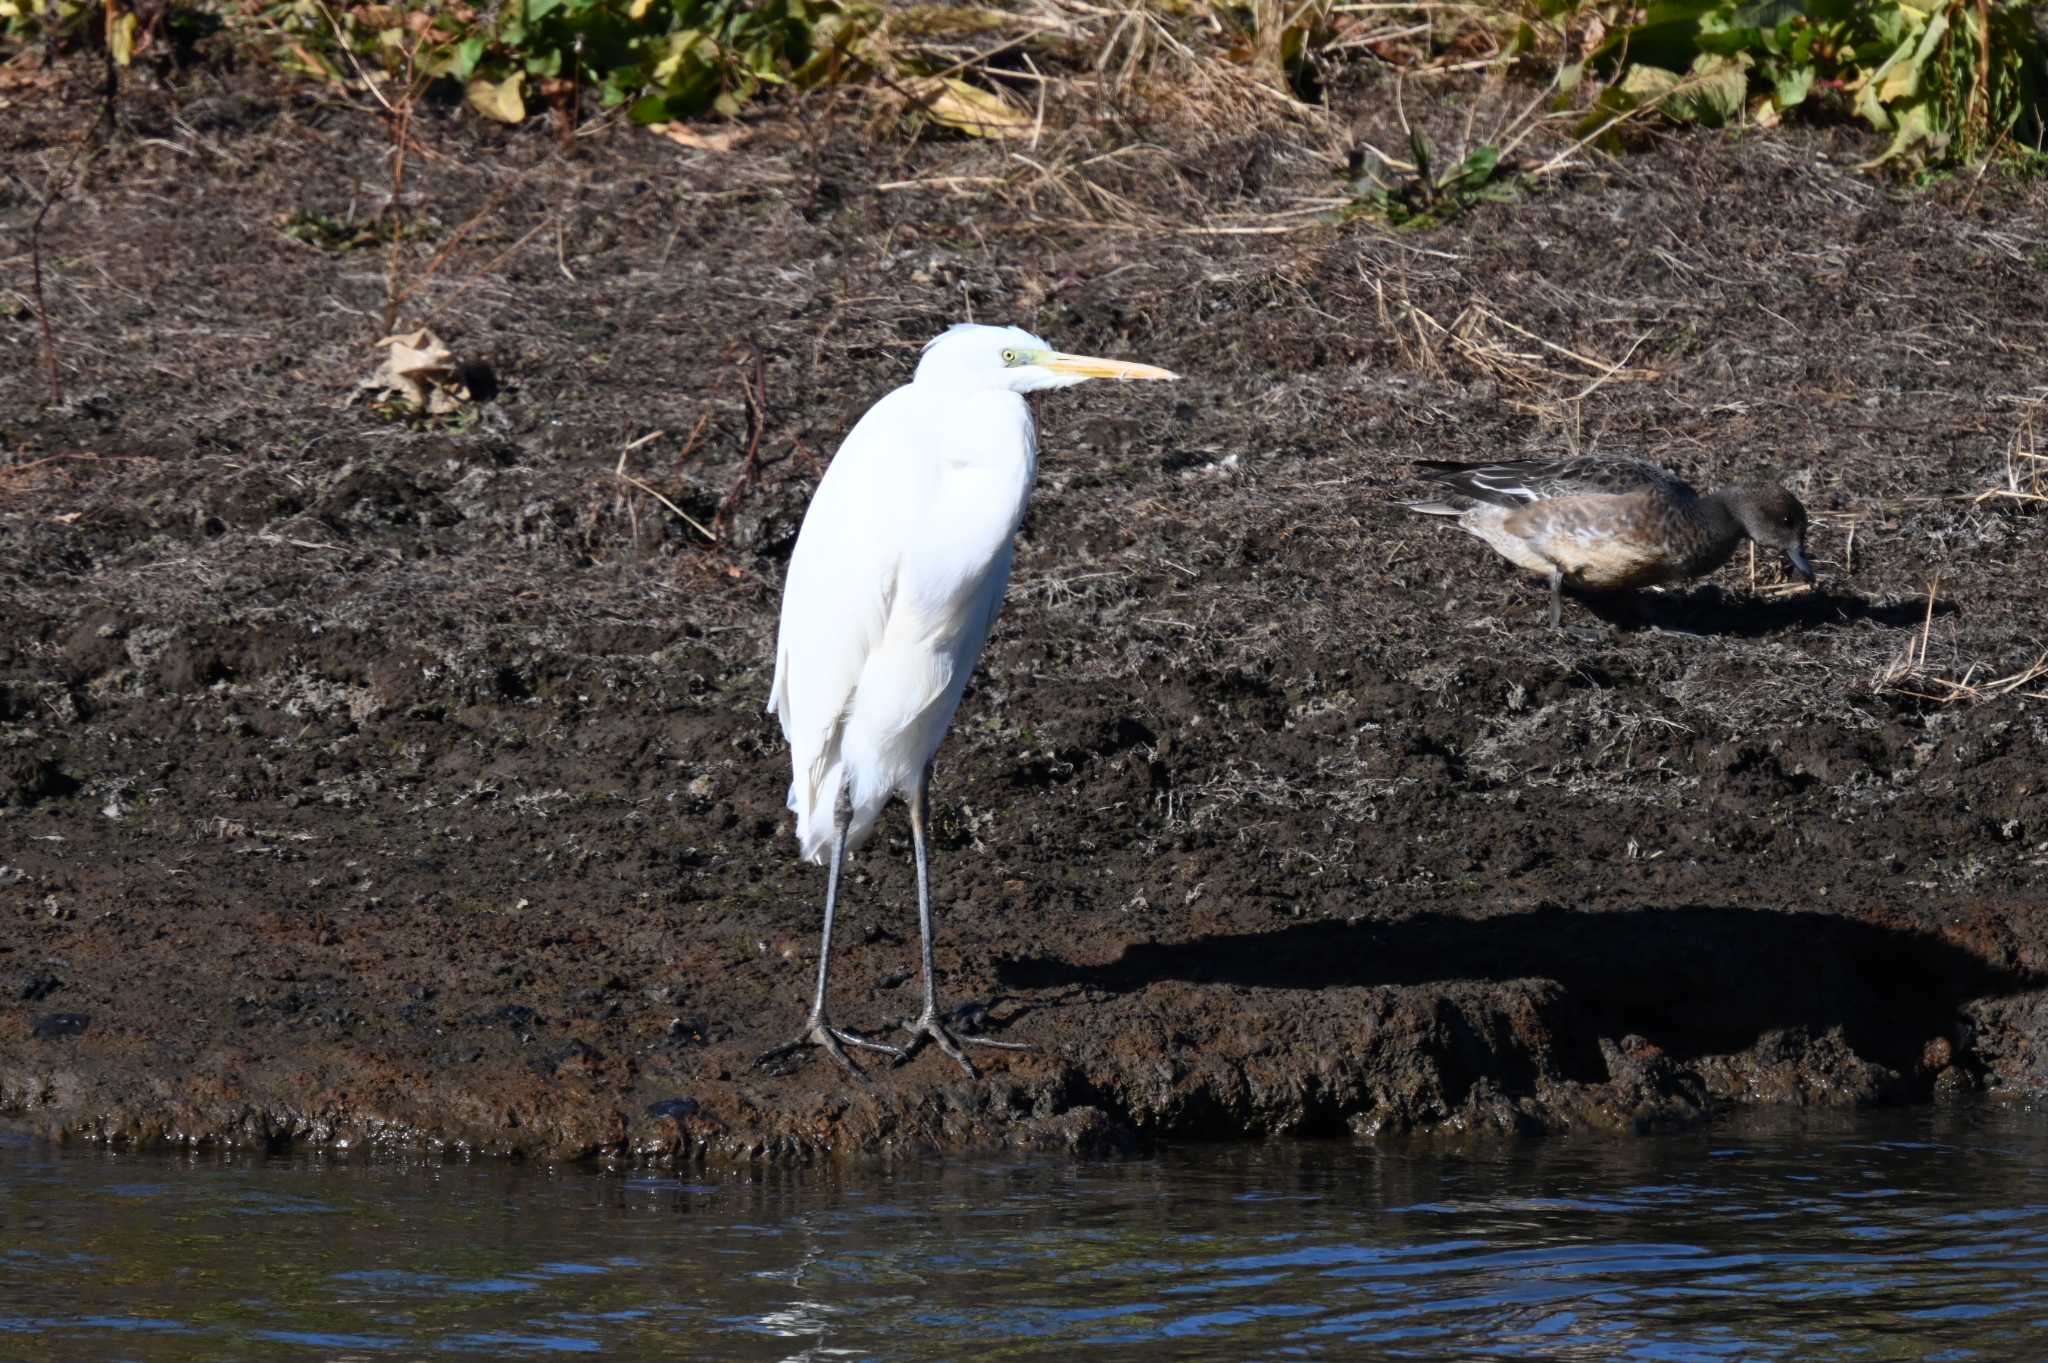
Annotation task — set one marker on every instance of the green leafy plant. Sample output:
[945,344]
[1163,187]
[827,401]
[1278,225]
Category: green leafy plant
[324,232]
[663,59]
[1948,79]
[1422,196]
[23,20]
[63,23]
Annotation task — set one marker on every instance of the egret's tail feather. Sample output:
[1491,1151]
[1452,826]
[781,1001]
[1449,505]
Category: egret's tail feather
[813,804]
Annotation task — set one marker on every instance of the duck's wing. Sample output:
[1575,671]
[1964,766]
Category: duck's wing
[1523,482]
[1601,540]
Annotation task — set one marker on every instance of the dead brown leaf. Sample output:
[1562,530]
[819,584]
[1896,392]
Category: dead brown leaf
[422,369]
[701,139]
[973,110]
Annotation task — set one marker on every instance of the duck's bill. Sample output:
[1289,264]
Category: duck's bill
[1797,558]
[1089,367]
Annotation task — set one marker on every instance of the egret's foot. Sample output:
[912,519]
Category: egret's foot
[929,1028]
[828,1038]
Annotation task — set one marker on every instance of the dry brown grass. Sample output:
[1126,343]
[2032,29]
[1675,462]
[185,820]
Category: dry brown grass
[1045,80]
[2024,485]
[1550,379]
[2026,468]
[1910,675]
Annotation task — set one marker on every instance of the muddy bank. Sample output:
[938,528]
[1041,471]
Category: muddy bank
[366,779]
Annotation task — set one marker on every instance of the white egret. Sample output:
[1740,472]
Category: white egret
[897,576]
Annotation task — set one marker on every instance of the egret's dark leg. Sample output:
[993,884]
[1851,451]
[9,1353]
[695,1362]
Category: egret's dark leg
[927,1025]
[818,1030]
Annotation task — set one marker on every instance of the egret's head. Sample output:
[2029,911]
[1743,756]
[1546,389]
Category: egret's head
[967,355]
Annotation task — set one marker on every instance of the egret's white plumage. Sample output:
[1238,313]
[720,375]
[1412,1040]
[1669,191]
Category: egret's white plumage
[896,580]
[898,574]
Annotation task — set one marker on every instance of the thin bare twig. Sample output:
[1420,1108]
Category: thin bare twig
[756,393]
[628,479]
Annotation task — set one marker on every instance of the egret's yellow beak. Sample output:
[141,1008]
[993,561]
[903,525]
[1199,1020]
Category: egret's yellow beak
[1089,367]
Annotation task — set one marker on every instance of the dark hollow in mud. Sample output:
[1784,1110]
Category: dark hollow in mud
[366,778]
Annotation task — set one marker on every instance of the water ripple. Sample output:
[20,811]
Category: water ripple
[1802,1237]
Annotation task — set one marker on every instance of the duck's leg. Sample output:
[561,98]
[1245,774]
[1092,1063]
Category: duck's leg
[818,1029]
[1557,598]
[927,1026]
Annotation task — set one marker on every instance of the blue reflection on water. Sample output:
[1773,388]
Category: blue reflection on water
[1805,1238]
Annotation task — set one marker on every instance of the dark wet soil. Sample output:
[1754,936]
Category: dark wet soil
[373,779]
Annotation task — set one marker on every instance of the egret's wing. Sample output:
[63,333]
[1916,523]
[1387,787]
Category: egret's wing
[1521,482]
[841,584]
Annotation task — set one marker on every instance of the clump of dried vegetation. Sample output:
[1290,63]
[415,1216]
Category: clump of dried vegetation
[1948,80]
[2023,486]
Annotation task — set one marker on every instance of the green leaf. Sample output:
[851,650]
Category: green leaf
[1478,168]
[1613,103]
[1792,86]
[536,10]
[1915,125]
[1899,78]
[1646,84]
[1715,90]
[649,109]
[467,53]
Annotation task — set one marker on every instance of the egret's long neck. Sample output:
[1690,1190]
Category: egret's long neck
[972,497]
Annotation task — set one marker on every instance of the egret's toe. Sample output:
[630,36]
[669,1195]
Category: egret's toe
[929,1028]
[823,1035]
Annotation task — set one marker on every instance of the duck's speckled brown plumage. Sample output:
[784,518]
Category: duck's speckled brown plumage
[1611,523]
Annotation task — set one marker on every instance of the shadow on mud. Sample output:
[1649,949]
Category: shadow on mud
[1709,610]
[1696,980]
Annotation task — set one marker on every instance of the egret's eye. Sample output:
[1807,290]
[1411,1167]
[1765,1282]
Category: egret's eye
[1010,357]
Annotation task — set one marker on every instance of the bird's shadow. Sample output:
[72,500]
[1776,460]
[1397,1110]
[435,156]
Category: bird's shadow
[1696,980]
[1709,610]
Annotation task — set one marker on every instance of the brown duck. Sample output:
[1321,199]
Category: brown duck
[1610,523]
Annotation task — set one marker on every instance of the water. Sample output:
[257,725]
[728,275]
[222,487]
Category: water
[1874,1236]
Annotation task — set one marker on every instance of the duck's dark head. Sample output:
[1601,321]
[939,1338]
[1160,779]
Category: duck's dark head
[1775,519]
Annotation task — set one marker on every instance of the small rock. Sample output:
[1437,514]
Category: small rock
[51,1026]
[673,1108]
[26,780]
[576,1058]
